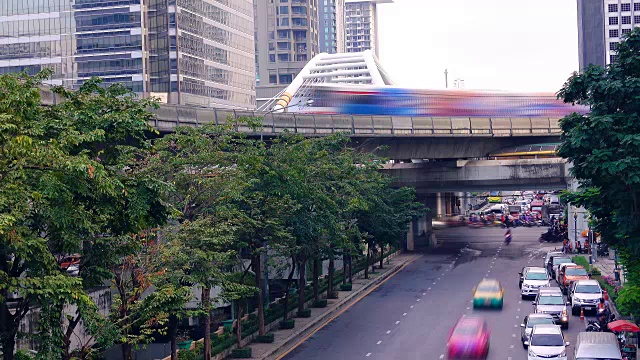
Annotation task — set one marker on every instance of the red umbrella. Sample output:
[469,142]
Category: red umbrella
[623,326]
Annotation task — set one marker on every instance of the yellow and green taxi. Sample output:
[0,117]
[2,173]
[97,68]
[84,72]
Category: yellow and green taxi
[489,293]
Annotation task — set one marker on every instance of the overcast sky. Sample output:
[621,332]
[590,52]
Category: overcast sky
[520,45]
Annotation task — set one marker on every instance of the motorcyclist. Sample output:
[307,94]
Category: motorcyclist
[508,236]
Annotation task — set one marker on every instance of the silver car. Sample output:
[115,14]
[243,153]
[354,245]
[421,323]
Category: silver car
[535,278]
[528,323]
[551,301]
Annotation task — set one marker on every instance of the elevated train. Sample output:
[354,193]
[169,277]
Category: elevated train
[391,100]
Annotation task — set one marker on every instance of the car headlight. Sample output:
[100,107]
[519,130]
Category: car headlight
[563,353]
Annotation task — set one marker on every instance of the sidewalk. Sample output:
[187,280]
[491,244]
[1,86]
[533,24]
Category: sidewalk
[286,339]
[607,266]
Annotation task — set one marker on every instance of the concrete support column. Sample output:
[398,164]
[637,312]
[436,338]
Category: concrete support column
[438,209]
[411,236]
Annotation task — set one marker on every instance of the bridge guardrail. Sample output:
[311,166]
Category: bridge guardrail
[170,116]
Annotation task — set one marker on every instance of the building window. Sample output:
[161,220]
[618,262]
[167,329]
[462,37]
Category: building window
[284,10]
[613,20]
[273,79]
[271,35]
[272,46]
[286,78]
[284,21]
[613,33]
[636,19]
[272,58]
[613,58]
[284,57]
[613,45]
[626,20]
[626,31]
[613,7]
[625,7]
[636,7]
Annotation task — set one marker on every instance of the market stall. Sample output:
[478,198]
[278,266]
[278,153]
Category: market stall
[628,336]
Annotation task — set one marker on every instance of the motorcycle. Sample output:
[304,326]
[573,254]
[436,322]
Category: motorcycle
[549,236]
[603,250]
[597,326]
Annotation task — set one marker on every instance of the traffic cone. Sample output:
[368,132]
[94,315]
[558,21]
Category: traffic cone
[582,314]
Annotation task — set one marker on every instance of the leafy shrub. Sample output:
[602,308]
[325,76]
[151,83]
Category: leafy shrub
[320,303]
[306,313]
[243,353]
[266,338]
[186,355]
[628,301]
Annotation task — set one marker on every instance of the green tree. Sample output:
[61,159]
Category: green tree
[64,184]
[604,146]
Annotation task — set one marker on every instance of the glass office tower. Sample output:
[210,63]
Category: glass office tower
[191,52]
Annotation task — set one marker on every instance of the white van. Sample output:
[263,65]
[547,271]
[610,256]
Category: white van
[597,346]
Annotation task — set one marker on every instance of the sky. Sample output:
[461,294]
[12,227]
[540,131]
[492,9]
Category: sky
[509,45]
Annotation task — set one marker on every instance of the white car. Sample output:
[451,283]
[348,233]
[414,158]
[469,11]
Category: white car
[585,294]
[549,255]
[546,342]
[534,279]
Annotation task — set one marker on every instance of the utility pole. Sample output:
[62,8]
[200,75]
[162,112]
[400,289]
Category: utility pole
[446,79]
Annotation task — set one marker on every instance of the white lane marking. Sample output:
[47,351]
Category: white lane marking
[520,302]
[509,358]
[423,294]
[441,356]
[468,307]
[511,347]
[514,335]
[518,309]
[417,299]
[434,283]
[388,331]
[397,322]
[515,325]
[429,289]
[404,314]
[368,354]
[411,306]
[517,316]
[442,274]
[438,279]
[380,342]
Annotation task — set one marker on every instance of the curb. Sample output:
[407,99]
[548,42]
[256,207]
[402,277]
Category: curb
[302,331]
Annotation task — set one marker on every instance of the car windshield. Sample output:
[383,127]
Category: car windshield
[576,272]
[465,330]
[557,261]
[547,340]
[488,288]
[539,321]
[536,276]
[588,289]
[551,300]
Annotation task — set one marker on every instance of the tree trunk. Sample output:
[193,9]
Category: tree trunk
[239,324]
[286,294]
[366,264]
[8,344]
[381,256]
[301,284]
[350,257]
[67,335]
[206,305]
[173,332]
[344,266]
[372,258]
[126,351]
[316,275]
[331,271]
[258,271]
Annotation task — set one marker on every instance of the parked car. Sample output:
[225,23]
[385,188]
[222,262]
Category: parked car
[547,342]
[570,274]
[551,301]
[585,294]
[529,322]
[534,279]
[560,267]
[521,273]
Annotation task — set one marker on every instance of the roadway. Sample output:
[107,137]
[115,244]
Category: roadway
[410,315]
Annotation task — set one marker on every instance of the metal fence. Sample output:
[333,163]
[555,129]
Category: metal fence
[170,116]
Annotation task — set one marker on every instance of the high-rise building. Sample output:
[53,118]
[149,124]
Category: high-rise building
[620,17]
[362,25]
[591,33]
[286,33]
[192,52]
[331,20]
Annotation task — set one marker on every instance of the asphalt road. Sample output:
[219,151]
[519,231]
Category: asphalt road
[410,316]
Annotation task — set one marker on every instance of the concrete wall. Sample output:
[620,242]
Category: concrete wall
[445,147]
[481,175]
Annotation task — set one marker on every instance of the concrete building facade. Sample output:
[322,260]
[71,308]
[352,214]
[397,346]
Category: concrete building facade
[286,38]
[332,31]
[621,16]
[591,44]
[362,25]
[189,52]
